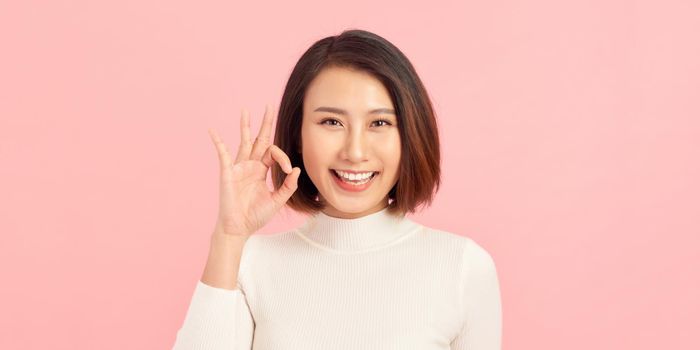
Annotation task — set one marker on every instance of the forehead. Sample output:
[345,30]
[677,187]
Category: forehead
[352,90]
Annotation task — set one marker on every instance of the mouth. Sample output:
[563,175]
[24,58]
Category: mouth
[354,182]
[333,171]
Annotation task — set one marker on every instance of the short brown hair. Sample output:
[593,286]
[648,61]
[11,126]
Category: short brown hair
[419,168]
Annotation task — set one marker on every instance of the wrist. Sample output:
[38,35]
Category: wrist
[231,231]
[221,237]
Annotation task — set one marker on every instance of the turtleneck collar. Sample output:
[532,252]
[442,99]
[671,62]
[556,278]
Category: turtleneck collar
[368,232]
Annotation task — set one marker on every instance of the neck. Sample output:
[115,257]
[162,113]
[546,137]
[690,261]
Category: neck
[352,235]
[332,212]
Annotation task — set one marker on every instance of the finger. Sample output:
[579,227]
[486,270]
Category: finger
[224,157]
[246,145]
[276,154]
[282,195]
[262,141]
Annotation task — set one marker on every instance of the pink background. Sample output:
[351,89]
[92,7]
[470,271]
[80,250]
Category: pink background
[570,130]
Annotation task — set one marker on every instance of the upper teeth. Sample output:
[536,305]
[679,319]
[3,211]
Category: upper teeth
[351,176]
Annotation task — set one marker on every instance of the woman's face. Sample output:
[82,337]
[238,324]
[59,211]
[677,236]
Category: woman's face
[341,130]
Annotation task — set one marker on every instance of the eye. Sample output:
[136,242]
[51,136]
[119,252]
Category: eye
[331,120]
[383,120]
[328,120]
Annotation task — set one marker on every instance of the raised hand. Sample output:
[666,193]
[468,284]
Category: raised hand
[245,201]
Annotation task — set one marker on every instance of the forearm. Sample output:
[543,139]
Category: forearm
[223,262]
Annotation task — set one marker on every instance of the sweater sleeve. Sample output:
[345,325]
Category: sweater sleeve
[216,319]
[481,302]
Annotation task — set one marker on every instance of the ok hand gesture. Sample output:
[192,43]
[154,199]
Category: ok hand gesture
[245,201]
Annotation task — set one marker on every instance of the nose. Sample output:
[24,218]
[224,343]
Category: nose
[356,146]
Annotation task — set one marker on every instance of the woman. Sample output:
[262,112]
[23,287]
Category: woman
[357,146]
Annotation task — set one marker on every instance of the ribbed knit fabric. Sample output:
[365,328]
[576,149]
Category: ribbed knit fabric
[375,282]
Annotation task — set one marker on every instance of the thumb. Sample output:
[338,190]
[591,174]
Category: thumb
[288,187]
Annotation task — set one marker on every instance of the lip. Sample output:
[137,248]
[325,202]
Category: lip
[356,172]
[352,188]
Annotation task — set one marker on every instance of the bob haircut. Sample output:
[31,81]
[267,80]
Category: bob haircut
[419,168]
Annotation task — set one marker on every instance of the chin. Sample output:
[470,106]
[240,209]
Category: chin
[351,208]
[353,205]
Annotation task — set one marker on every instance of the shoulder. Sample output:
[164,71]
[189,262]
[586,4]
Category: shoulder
[263,249]
[267,241]
[472,255]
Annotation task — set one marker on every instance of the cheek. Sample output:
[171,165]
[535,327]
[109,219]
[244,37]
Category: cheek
[391,153]
[316,153]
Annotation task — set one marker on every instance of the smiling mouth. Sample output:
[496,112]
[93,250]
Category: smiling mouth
[354,181]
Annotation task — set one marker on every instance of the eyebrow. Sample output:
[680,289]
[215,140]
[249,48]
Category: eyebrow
[344,112]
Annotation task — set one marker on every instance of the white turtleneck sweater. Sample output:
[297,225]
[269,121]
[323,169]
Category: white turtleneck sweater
[374,282]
